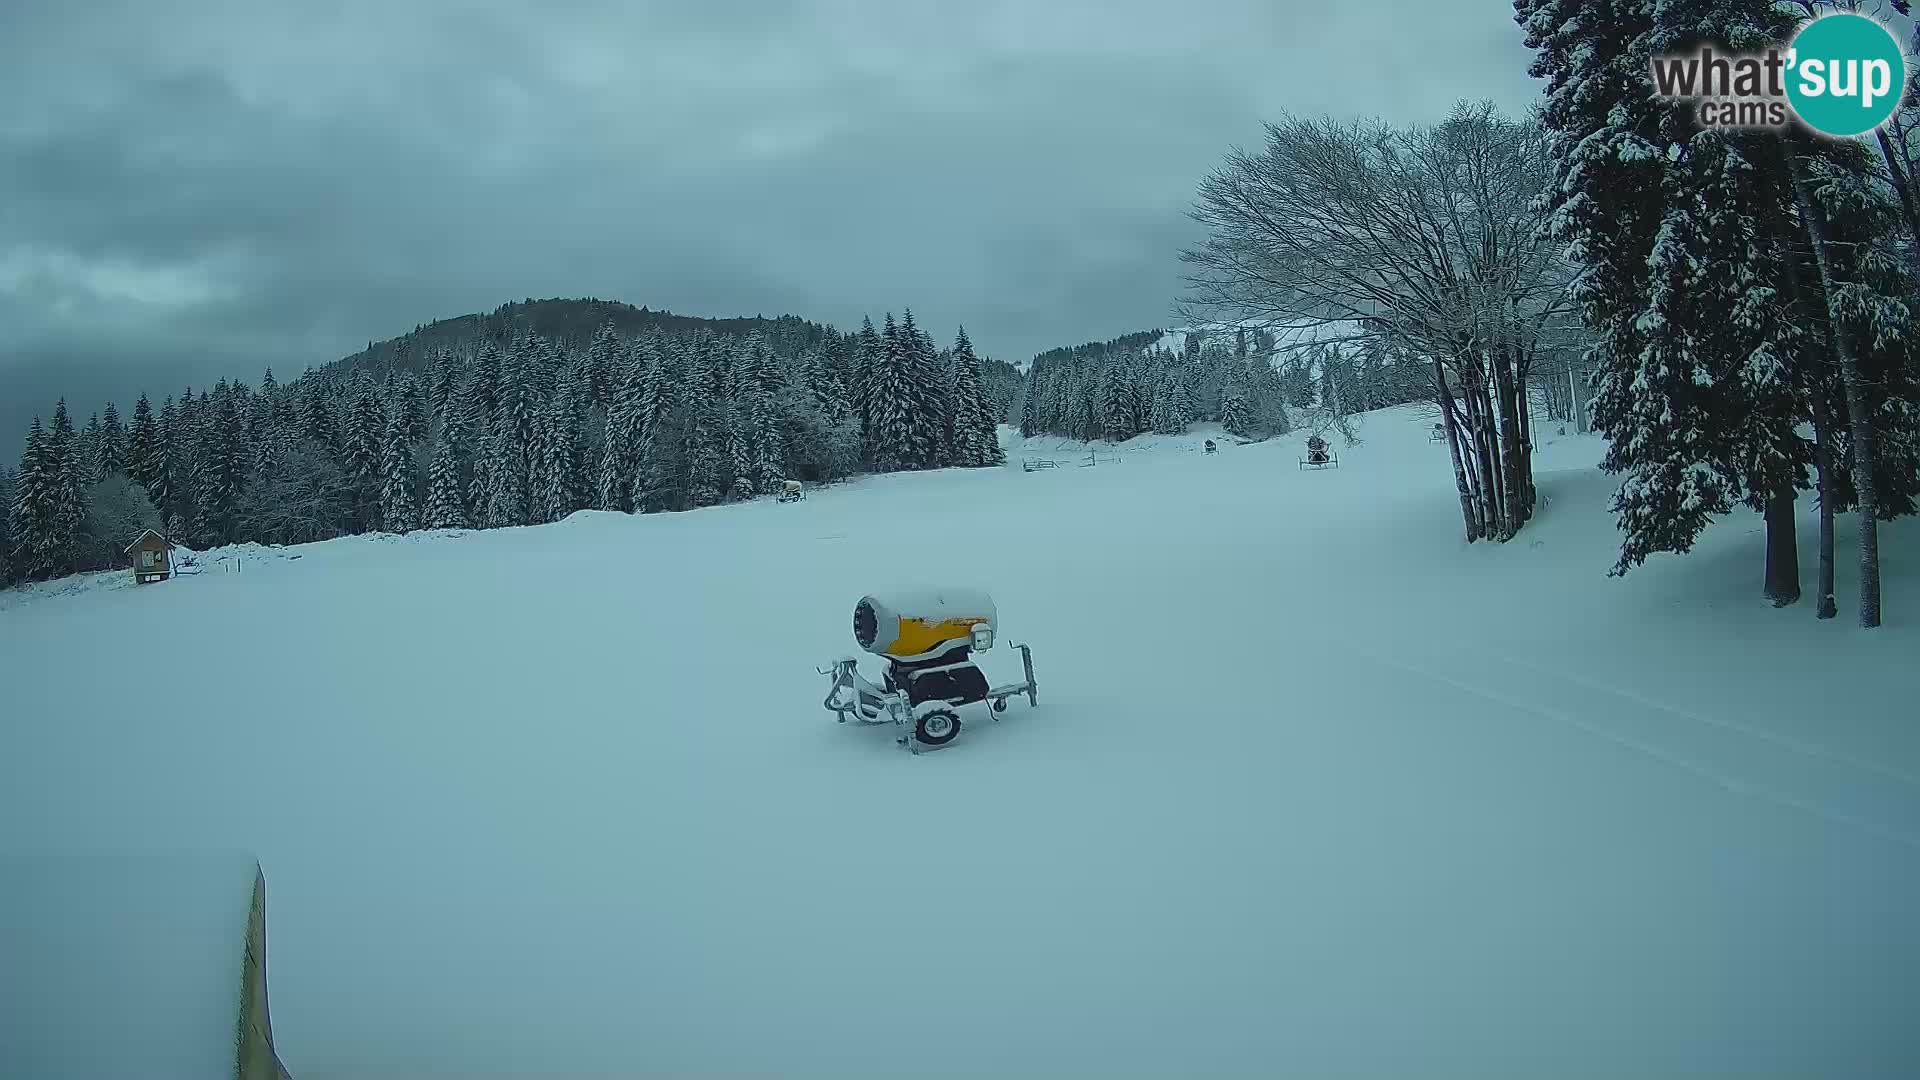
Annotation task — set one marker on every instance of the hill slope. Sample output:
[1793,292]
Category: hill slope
[1311,786]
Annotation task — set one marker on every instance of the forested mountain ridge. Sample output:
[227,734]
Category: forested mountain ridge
[569,322]
[521,416]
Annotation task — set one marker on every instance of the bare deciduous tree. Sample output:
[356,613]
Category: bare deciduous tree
[1424,241]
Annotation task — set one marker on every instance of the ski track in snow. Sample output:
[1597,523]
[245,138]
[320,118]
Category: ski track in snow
[1772,738]
[1705,772]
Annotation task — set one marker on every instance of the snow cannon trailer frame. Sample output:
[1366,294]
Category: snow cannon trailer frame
[927,641]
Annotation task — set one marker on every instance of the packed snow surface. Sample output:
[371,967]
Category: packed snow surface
[1313,788]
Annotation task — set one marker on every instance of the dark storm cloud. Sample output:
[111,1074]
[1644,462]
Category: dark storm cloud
[192,191]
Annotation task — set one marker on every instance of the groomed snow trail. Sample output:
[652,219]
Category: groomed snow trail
[1313,787]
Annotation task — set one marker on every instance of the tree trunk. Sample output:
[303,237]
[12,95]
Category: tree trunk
[1487,454]
[1858,416]
[1903,188]
[1783,551]
[1444,396]
[1512,443]
[1823,477]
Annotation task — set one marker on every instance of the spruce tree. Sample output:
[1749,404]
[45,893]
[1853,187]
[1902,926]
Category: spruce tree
[142,442]
[1115,404]
[705,448]
[554,473]
[620,453]
[1236,406]
[218,464]
[482,389]
[9,516]
[38,551]
[162,490]
[1674,226]
[364,427]
[69,483]
[92,465]
[399,486]
[605,358]
[870,356]
[446,492]
[893,404]
[1030,405]
[927,398]
[502,501]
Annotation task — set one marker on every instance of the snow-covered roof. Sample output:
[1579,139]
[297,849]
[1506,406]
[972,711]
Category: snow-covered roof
[143,535]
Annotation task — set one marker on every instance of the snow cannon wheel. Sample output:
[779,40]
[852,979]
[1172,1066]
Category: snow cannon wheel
[1000,704]
[936,727]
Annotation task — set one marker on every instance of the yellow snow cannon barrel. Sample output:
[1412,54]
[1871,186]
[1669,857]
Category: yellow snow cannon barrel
[910,624]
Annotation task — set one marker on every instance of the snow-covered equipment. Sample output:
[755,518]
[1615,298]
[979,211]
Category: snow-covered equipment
[1319,455]
[927,639]
[1212,449]
[1438,434]
[791,491]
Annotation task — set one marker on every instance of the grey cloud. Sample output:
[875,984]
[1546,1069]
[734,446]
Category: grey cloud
[195,192]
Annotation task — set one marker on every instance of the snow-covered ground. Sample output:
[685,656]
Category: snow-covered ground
[1313,788]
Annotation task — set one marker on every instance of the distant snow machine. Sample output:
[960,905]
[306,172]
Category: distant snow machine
[1212,449]
[927,638]
[791,491]
[1319,455]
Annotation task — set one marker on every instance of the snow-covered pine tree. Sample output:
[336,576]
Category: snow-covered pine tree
[1170,404]
[737,454]
[705,443]
[446,491]
[1687,357]
[9,514]
[69,483]
[1865,378]
[763,386]
[620,451]
[870,355]
[669,373]
[928,402]
[38,547]
[1115,402]
[218,465]
[364,428]
[263,411]
[321,426]
[606,357]
[92,468]
[505,500]
[555,471]
[1030,404]
[142,436]
[399,483]
[1236,405]
[976,427]
[163,468]
[407,402]
[482,390]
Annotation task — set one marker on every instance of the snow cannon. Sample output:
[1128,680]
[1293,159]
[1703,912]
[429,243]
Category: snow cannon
[913,624]
[926,638]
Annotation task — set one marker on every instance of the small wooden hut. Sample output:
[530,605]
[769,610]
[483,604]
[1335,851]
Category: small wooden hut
[152,557]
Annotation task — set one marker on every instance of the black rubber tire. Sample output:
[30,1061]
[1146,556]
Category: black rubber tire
[999,704]
[941,734]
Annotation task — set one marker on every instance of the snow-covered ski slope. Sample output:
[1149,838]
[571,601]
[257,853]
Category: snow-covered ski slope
[1313,788]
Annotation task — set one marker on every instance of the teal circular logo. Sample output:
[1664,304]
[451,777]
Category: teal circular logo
[1845,75]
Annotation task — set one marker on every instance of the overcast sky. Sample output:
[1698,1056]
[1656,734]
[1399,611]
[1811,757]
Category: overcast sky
[192,190]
